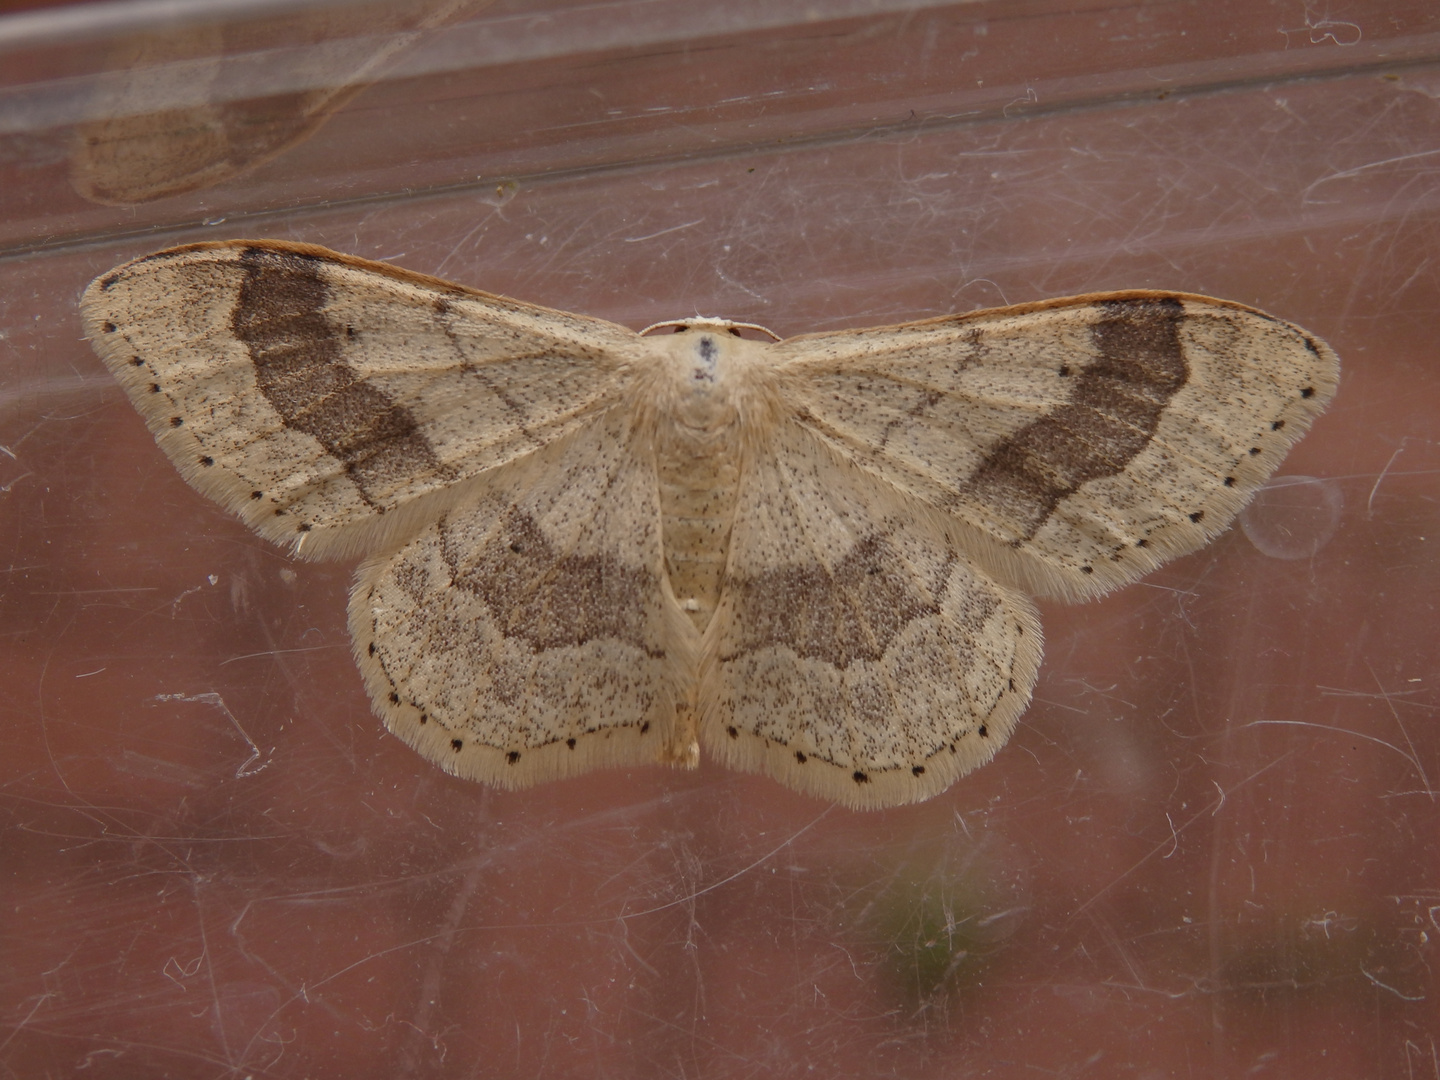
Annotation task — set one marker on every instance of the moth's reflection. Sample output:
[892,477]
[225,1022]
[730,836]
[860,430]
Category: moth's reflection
[187,108]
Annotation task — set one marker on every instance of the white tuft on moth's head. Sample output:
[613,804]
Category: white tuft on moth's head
[708,322]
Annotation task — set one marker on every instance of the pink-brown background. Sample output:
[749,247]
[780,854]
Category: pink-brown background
[1212,848]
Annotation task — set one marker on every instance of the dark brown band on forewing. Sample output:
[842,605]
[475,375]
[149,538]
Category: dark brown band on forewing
[839,616]
[300,368]
[549,599]
[1114,407]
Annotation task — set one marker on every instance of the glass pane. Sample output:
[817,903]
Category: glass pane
[1211,845]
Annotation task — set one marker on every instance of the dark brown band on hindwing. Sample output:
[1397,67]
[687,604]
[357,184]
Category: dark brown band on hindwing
[1114,408]
[547,598]
[841,615]
[300,368]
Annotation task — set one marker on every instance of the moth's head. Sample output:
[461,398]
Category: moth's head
[709,365]
[703,352]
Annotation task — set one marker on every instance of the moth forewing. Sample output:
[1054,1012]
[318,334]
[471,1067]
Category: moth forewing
[324,398]
[1147,421]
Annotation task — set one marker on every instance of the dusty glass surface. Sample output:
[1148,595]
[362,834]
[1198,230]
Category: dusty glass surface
[1212,847]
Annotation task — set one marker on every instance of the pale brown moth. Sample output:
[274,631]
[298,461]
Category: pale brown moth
[589,547]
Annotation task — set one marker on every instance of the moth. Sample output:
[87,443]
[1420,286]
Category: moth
[588,547]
